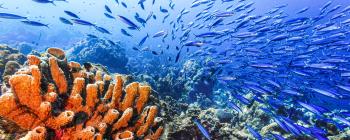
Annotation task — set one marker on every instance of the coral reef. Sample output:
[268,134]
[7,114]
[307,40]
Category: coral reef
[189,84]
[10,62]
[24,48]
[96,50]
[52,98]
[9,54]
[182,127]
[227,124]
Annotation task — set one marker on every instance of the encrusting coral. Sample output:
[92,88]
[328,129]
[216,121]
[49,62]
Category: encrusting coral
[58,99]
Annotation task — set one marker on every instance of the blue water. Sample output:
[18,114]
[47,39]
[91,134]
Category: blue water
[13,31]
[278,73]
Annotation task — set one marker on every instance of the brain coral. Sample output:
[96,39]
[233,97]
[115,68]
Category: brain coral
[55,99]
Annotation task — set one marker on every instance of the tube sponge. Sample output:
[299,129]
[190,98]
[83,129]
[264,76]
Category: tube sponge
[52,98]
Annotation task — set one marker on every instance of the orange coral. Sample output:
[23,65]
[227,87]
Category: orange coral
[64,97]
[33,60]
[126,135]
[144,92]
[38,133]
[58,75]
[147,118]
[56,52]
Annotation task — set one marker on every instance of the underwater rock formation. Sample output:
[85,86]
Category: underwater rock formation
[10,62]
[100,51]
[229,124]
[183,127]
[24,48]
[58,99]
[189,84]
[9,54]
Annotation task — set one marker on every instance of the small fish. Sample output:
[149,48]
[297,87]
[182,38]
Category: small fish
[124,32]
[177,56]
[217,22]
[171,5]
[154,17]
[261,65]
[111,42]
[292,92]
[310,108]
[65,21]
[303,10]
[194,43]
[235,107]
[128,22]
[343,120]
[325,6]
[168,47]
[136,49]
[159,34]
[109,16]
[208,34]
[155,53]
[124,5]
[202,129]
[34,23]
[141,4]
[11,16]
[346,88]
[132,28]
[324,92]
[163,10]
[102,30]
[346,9]
[254,132]
[149,16]
[69,13]
[82,22]
[44,1]
[91,36]
[143,40]
[108,9]
[224,14]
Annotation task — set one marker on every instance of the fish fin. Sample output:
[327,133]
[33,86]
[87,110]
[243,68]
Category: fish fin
[52,2]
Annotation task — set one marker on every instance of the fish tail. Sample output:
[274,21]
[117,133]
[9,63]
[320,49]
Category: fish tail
[52,2]
[196,36]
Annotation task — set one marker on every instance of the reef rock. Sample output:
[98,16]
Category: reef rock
[9,54]
[25,48]
[189,84]
[220,123]
[100,51]
[55,99]
[10,61]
